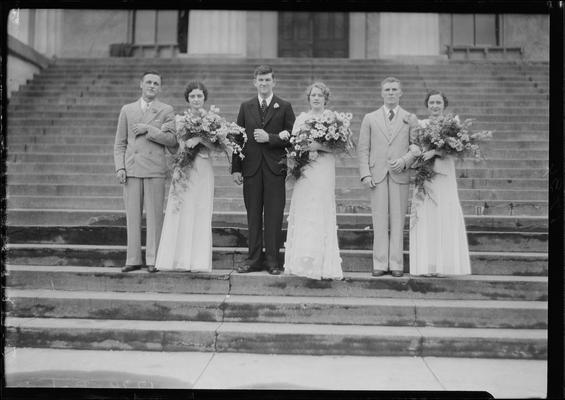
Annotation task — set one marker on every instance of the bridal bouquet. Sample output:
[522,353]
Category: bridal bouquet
[211,127]
[450,136]
[331,129]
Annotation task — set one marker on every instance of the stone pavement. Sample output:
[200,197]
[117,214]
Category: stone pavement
[26,367]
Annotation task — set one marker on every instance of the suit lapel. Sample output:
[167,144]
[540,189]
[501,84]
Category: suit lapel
[253,109]
[381,123]
[397,123]
[270,110]
[152,112]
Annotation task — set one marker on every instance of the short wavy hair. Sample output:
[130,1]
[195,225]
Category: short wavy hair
[195,85]
[433,93]
[323,87]
[391,79]
[263,70]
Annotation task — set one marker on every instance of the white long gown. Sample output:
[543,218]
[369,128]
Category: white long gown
[311,247]
[186,238]
[438,238]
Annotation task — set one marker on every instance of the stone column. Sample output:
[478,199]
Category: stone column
[48,32]
[213,32]
[409,34]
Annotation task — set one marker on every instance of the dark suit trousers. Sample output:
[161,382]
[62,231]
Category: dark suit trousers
[264,191]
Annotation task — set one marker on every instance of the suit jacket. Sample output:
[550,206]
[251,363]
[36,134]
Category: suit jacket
[279,117]
[381,141]
[143,156]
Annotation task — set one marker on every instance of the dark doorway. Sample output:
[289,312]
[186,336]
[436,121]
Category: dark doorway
[313,34]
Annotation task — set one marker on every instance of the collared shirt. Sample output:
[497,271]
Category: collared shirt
[145,105]
[395,109]
[268,99]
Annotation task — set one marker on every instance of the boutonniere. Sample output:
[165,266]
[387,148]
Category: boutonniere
[276,105]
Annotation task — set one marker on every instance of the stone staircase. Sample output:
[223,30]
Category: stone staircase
[66,225]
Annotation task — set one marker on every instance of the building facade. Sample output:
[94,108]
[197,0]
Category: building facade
[270,34]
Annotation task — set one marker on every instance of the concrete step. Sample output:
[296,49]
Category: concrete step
[342,182]
[41,104]
[358,285]
[228,236]
[345,205]
[238,219]
[466,169]
[343,104]
[275,338]
[41,303]
[233,191]
[346,162]
[44,146]
[482,263]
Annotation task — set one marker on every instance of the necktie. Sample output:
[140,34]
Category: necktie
[263,106]
[391,115]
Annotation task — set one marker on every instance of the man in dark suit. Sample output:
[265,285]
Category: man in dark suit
[267,120]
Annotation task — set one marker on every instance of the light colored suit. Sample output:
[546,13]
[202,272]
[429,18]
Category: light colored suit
[381,141]
[143,158]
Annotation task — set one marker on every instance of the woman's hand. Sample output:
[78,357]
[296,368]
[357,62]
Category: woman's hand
[428,155]
[193,142]
[314,146]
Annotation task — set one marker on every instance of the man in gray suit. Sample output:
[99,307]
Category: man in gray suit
[383,163]
[139,157]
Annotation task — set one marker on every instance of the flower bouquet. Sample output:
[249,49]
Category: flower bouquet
[331,129]
[449,135]
[220,135]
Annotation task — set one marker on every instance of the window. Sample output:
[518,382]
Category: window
[475,29]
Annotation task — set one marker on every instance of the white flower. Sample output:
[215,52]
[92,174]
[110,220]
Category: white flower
[276,105]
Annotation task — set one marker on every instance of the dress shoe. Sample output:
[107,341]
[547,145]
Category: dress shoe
[129,268]
[275,270]
[246,268]
[378,272]
[397,274]
[151,269]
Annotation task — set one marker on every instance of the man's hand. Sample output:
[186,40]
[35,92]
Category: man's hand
[368,182]
[397,165]
[237,178]
[140,129]
[260,136]
[284,135]
[121,175]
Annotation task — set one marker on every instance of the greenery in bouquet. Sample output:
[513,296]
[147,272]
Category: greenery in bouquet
[449,136]
[214,130]
[331,129]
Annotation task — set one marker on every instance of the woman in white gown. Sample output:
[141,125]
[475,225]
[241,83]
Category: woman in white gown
[186,238]
[311,248]
[438,239]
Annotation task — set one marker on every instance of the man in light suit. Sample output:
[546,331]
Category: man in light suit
[384,159]
[139,157]
[267,120]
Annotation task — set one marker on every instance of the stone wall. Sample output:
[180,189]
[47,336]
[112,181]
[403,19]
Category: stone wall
[89,33]
[531,32]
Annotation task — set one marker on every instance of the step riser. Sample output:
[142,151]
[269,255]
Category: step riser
[237,237]
[481,264]
[304,313]
[16,182]
[345,221]
[147,340]
[108,159]
[469,207]
[235,192]
[262,284]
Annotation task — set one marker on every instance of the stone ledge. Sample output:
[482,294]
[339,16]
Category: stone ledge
[26,53]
